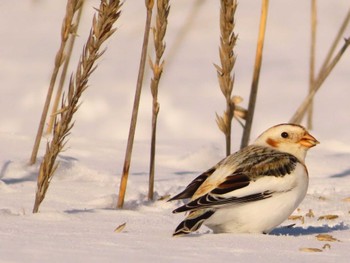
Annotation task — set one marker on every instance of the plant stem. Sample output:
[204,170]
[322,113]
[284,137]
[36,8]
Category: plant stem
[64,69]
[256,74]
[153,149]
[158,37]
[71,8]
[101,30]
[298,115]
[322,74]
[312,59]
[224,71]
[335,43]
[184,30]
[132,129]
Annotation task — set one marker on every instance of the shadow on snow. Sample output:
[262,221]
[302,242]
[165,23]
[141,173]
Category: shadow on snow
[311,230]
[342,174]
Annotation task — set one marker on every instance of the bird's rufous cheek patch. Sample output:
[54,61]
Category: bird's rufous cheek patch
[272,142]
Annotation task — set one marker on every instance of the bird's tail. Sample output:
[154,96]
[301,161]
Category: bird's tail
[192,222]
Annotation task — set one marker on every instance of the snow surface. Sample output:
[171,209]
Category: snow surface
[77,219]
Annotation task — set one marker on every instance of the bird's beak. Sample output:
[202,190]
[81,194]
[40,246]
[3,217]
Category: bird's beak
[308,140]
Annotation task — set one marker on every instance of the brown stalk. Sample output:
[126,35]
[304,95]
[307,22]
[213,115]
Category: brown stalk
[159,31]
[300,112]
[63,76]
[298,115]
[67,27]
[256,74]
[124,179]
[312,59]
[101,30]
[184,31]
[335,43]
[224,72]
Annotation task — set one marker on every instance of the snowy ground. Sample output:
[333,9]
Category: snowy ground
[77,219]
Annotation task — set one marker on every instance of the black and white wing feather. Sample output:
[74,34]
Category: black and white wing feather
[227,182]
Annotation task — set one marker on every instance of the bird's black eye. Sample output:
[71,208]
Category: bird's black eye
[284,135]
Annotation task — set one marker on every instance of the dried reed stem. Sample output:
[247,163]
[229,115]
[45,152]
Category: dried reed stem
[124,179]
[335,43]
[67,27]
[298,115]
[101,30]
[159,31]
[324,70]
[312,59]
[63,76]
[184,30]
[224,72]
[256,74]
[330,54]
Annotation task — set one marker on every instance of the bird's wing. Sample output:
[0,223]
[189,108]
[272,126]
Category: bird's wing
[193,186]
[257,175]
[204,181]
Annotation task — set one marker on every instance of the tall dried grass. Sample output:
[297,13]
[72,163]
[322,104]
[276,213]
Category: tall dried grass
[256,74]
[63,76]
[225,70]
[300,112]
[186,28]
[328,64]
[67,27]
[124,179]
[101,30]
[312,59]
[159,31]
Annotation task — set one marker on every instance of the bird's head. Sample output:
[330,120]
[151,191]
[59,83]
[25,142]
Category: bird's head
[290,138]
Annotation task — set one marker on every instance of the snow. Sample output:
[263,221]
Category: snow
[77,219]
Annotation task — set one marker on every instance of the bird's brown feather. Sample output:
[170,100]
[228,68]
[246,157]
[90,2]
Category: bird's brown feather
[254,162]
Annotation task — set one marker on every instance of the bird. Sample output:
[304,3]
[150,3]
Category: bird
[252,190]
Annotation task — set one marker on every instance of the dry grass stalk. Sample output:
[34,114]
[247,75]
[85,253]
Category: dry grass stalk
[347,199]
[124,180]
[67,28]
[312,59]
[120,228]
[295,217]
[310,249]
[224,72]
[63,76]
[256,74]
[298,115]
[159,31]
[325,69]
[335,43]
[327,217]
[101,30]
[185,29]
[326,237]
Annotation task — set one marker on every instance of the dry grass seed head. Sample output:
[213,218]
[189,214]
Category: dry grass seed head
[310,249]
[327,217]
[326,237]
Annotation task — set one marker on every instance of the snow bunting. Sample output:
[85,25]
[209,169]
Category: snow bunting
[253,190]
